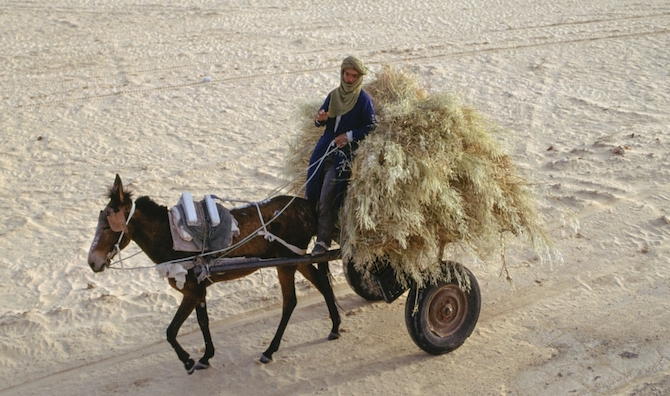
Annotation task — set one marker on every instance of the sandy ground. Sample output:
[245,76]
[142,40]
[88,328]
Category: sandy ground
[90,89]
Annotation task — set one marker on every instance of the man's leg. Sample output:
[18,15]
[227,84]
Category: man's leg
[326,221]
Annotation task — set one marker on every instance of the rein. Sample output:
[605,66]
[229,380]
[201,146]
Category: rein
[261,231]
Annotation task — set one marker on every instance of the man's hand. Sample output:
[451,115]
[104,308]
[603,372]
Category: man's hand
[321,116]
[341,140]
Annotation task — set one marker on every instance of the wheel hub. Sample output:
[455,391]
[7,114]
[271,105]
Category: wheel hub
[447,310]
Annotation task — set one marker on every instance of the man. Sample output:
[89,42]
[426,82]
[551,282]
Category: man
[348,115]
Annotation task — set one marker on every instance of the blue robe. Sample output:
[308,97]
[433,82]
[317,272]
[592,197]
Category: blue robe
[360,120]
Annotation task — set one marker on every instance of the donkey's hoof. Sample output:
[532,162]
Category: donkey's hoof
[201,366]
[189,366]
[265,359]
[333,336]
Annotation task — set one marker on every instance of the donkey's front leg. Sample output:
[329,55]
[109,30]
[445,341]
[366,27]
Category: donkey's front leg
[187,305]
[203,321]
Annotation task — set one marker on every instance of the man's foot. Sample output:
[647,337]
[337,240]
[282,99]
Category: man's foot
[319,248]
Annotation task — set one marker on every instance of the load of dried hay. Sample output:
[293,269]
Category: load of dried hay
[430,177]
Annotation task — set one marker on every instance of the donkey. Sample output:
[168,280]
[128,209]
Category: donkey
[148,226]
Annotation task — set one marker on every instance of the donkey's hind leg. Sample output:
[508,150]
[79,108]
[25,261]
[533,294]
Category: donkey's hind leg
[320,279]
[287,282]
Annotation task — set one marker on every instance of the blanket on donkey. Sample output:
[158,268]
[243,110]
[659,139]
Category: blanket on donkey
[202,235]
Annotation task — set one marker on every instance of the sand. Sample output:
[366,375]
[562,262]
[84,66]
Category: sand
[90,89]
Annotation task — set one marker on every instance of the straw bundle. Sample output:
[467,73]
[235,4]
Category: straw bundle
[430,177]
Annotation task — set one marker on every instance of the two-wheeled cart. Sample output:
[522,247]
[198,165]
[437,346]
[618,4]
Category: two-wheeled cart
[439,316]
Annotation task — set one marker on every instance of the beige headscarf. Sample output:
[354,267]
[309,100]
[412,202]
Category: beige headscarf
[344,97]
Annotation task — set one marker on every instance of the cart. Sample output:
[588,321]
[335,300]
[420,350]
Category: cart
[439,316]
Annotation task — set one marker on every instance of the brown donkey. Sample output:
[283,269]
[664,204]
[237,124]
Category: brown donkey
[149,227]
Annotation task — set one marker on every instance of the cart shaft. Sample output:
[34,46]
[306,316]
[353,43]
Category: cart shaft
[244,263]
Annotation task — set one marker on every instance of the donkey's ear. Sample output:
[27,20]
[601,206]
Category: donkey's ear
[117,190]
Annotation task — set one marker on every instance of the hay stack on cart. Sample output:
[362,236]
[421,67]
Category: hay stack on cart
[433,176]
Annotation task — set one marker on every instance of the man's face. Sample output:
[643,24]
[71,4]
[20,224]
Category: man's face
[350,76]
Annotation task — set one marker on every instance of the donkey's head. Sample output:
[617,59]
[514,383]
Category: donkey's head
[112,226]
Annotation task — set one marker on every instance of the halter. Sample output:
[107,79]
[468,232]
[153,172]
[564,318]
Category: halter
[117,247]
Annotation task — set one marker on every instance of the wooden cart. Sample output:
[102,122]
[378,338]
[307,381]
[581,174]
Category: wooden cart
[439,317]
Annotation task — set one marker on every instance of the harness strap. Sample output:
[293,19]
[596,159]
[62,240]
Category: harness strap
[272,237]
[260,216]
[123,232]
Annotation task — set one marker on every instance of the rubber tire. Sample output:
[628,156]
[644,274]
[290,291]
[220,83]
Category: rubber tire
[417,322]
[362,282]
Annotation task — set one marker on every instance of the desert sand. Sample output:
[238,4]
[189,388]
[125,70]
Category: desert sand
[199,96]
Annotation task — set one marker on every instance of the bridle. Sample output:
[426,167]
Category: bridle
[115,227]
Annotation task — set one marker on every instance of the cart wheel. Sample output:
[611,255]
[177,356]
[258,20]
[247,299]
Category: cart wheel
[362,282]
[445,315]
